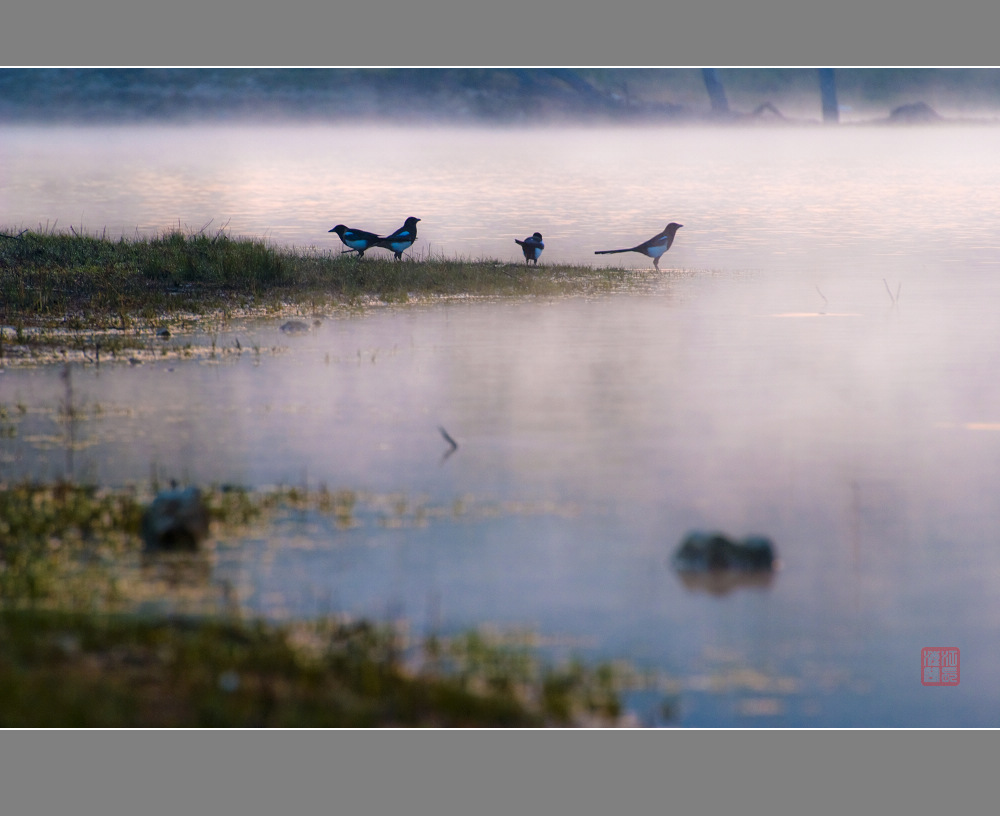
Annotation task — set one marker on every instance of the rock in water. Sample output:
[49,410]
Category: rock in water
[176,520]
[700,552]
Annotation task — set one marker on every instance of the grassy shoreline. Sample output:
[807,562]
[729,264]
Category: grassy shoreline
[83,282]
[64,669]
[67,296]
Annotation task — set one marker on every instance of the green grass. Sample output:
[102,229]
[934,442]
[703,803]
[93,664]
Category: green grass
[79,649]
[61,669]
[87,282]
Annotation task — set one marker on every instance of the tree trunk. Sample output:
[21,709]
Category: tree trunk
[828,92]
[716,93]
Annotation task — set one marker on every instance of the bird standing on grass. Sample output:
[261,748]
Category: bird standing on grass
[653,248]
[401,239]
[532,247]
[357,240]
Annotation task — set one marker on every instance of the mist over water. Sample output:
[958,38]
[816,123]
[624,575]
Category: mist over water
[816,363]
[813,201]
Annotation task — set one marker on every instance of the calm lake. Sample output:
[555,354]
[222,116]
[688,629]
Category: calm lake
[817,362]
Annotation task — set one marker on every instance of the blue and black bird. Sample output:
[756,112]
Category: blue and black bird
[401,239]
[532,247]
[357,240]
[653,248]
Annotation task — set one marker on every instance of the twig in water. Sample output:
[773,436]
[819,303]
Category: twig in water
[895,297]
[451,442]
[825,301]
[447,437]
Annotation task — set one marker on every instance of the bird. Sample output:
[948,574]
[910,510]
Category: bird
[532,247]
[401,239]
[653,248]
[358,240]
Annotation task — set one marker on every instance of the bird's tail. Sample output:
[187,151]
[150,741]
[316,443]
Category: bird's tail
[519,243]
[611,251]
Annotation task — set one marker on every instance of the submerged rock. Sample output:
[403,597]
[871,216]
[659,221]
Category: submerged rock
[714,552]
[175,520]
[295,326]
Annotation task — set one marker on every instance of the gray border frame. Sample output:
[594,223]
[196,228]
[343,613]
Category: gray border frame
[512,33]
[485,773]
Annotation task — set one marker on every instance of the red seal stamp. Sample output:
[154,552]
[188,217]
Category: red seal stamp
[939,666]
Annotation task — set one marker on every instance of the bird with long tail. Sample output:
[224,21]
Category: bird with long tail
[401,239]
[653,248]
[355,239]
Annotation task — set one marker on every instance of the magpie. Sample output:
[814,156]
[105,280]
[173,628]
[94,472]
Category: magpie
[401,239]
[532,247]
[357,240]
[653,248]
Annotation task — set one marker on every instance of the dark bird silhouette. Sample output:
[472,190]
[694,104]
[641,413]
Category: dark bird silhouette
[653,248]
[401,239]
[532,247]
[357,240]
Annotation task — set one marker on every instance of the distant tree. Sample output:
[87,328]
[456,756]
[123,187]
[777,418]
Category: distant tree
[716,93]
[828,93]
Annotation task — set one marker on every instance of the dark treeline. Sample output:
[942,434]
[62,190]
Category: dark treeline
[520,95]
